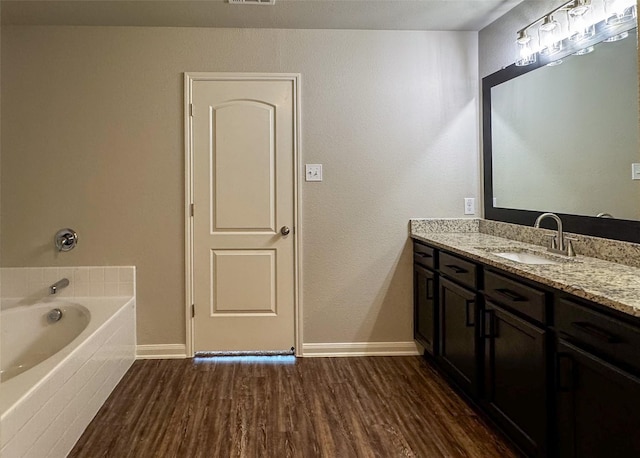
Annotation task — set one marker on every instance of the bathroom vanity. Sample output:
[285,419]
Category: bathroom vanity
[550,351]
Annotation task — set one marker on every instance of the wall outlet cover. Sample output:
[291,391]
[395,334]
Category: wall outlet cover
[469,206]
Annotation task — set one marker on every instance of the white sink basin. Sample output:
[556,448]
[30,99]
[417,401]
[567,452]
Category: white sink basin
[526,257]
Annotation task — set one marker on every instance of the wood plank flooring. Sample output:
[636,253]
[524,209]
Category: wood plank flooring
[313,407]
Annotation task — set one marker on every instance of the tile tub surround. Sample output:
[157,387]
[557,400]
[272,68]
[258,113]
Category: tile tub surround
[51,416]
[32,283]
[611,284]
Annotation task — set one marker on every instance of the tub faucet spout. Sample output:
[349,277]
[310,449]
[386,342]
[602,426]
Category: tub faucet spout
[53,289]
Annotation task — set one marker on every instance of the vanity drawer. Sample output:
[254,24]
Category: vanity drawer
[608,337]
[423,255]
[518,296]
[460,270]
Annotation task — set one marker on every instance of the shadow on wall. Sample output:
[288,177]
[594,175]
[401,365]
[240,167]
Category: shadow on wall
[393,300]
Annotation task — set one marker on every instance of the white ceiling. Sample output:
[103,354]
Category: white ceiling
[287,14]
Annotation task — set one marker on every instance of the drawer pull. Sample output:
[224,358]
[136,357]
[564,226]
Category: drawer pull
[565,381]
[457,269]
[468,316]
[512,296]
[489,328]
[430,295]
[595,331]
[423,255]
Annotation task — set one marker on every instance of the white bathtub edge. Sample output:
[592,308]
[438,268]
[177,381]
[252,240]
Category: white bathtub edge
[65,407]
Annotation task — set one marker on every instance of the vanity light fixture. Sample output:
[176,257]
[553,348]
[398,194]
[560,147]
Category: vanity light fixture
[581,23]
[618,11]
[574,25]
[550,34]
[526,55]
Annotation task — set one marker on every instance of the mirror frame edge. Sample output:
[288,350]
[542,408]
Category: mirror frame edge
[609,228]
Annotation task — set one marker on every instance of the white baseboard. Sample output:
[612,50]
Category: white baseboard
[315,350]
[161,351]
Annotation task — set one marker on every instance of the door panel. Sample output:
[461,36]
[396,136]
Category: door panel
[243,167]
[598,406]
[457,333]
[243,190]
[425,309]
[515,377]
[232,293]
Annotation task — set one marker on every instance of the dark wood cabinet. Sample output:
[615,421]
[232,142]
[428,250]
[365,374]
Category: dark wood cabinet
[557,374]
[515,377]
[598,406]
[425,308]
[458,338]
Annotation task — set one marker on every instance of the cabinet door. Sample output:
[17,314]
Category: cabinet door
[515,377]
[458,338]
[598,406]
[425,317]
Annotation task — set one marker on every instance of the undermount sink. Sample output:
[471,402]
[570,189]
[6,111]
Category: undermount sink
[525,257]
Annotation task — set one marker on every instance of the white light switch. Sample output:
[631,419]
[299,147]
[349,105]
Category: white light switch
[635,171]
[313,172]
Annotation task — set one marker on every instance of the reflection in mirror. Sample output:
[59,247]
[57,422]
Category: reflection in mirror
[564,137]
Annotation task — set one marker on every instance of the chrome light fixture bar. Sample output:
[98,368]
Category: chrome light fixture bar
[573,28]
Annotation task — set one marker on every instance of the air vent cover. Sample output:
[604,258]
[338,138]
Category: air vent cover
[252,2]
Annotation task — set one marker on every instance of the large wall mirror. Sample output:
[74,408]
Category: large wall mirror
[564,138]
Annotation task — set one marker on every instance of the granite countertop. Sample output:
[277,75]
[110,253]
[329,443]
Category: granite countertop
[613,285]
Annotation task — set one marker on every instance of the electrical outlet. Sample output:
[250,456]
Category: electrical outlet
[635,171]
[469,206]
[313,172]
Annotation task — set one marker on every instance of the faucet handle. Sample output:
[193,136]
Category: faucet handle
[553,243]
[570,250]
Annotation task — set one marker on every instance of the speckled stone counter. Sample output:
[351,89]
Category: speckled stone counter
[607,283]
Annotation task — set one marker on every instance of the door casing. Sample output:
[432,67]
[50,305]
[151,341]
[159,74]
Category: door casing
[189,78]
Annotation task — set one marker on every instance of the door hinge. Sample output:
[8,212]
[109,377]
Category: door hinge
[192,209]
[193,310]
[191,109]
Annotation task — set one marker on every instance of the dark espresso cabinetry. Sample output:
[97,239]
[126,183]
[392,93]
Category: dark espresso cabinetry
[458,341]
[425,292]
[557,374]
[598,383]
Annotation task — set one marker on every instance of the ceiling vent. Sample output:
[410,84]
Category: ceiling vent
[252,2]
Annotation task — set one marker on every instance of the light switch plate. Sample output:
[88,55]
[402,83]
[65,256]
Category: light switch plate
[313,172]
[635,171]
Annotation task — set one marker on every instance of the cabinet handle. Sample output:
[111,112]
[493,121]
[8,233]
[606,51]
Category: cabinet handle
[467,321]
[490,323]
[595,331]
[423,255]
[430,295]
[457,269]
[511,295]
[565,378]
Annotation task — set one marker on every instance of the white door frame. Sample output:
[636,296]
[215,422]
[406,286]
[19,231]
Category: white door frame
[189,78]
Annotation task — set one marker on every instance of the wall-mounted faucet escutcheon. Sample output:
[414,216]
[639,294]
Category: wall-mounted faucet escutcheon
[66,239]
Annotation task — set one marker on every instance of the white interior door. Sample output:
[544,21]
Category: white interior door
[243,143]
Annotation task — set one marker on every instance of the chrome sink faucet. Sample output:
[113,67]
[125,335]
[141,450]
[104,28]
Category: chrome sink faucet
[53,289]
[559,243]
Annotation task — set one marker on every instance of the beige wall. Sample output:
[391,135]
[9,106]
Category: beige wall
[93,140]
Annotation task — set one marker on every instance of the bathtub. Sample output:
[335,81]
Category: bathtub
[57,374]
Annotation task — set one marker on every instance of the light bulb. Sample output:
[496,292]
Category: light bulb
[580,21]
[618,11]
[550,38]
[524,53]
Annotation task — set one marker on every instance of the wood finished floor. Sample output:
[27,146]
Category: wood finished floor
[314,407]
